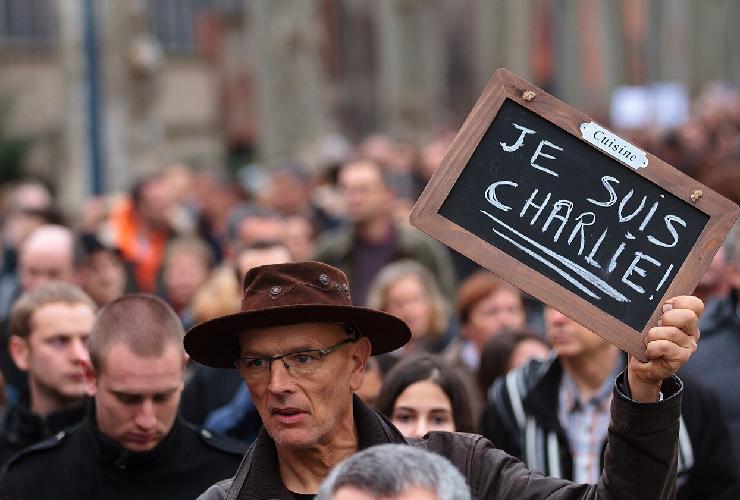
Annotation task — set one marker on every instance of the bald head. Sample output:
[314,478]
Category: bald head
[31,196]
[47,254]
[145,324]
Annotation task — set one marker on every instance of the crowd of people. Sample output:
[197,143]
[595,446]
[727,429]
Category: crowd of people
[96,383]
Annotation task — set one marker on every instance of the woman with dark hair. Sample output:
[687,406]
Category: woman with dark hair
[507,351]
[422,393]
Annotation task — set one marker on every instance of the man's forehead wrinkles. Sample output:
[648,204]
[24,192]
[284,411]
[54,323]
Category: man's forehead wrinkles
[274,345]
[290,338]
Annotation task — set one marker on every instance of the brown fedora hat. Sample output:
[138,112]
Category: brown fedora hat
[286,294]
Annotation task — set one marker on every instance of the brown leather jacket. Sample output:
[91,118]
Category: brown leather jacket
[639,463]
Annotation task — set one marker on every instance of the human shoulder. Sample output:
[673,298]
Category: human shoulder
[216,442]
[38,455]
[519,382]
[412,239]
[334,242]
[217,491]
[477,459]
[455,446]
[464,450]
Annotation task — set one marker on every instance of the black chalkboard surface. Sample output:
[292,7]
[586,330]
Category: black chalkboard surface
[571,213]
[588,223]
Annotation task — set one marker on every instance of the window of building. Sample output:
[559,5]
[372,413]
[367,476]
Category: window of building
[174,22]
[26,23]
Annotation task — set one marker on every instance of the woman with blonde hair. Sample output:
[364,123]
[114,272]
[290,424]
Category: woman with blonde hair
[408,290]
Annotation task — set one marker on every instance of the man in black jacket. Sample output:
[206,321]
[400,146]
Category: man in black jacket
[133,445]
[301,347]
[49,329]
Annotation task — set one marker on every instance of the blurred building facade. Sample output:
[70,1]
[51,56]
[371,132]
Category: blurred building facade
[109,90]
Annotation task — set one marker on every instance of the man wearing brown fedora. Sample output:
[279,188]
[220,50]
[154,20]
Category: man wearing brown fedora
[301,348]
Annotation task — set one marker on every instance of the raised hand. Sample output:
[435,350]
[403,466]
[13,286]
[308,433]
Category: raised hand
[669,347]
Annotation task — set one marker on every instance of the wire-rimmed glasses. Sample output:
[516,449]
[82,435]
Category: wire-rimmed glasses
[299,363]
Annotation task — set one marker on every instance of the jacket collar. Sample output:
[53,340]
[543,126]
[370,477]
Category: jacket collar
[263,476]
[542,400]
[112,454]
[21,421]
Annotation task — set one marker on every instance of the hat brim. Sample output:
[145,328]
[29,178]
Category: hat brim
[214,342]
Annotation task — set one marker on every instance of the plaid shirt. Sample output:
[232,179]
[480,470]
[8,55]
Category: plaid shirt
[586,424]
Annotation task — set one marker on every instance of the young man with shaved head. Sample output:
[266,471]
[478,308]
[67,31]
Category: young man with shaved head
[132,445]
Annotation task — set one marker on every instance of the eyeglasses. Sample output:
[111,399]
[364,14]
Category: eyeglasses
[299,363]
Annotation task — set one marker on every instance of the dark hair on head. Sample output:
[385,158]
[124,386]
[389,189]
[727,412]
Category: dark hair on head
[385,176]
[140,184]
[262,245]
[495,360]
[293,169]
[421,367]
[386,362]
[477,287]
[191,245]
[245,211]
[145,324]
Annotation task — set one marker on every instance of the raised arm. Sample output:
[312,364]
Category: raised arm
[640,458]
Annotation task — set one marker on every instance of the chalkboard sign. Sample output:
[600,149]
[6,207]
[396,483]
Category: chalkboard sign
[571,213]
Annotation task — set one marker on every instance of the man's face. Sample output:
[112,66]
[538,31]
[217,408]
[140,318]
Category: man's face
[253,257]
[568,338]
[184,273]
[304,412]
[54,352]
[259,228]
[502,309]
[41,264]
[409,300]
[156,203]
[299,238]
[103,277]
[136,398]
[715,279]
[365,194]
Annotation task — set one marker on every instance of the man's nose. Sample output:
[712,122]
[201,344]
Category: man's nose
[556,316]
[509,320]
[280,378]
[146,417]
[79,351]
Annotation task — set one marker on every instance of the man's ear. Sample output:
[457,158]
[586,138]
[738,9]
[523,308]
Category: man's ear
[91,379]
[19,351]
[360,355]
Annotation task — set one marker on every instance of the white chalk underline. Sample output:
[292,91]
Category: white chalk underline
[585,274]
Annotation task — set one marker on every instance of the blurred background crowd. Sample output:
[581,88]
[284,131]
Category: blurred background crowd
[169,146]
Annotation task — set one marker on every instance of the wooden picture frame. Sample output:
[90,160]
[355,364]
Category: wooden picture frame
[426,216]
